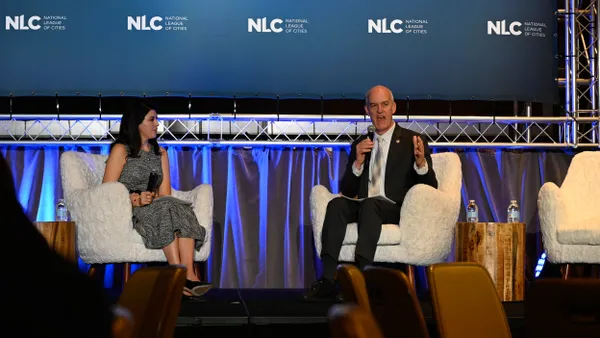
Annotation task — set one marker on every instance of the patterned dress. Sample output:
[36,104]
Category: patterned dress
[160,221]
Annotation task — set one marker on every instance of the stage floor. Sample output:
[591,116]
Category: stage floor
[280,312]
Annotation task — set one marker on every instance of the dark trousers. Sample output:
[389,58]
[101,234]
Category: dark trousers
[370,215]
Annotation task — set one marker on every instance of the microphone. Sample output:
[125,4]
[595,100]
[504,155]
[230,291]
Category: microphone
[371,136]
[371,132]
[152,182]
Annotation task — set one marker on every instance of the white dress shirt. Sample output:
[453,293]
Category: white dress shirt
[386,140]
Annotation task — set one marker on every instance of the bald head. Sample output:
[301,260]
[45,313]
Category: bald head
[378,90]
[380,105]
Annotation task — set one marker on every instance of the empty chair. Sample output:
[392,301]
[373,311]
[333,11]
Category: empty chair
[352,321]
[352,285]
[569,215]
[153,297]
[394,303]
[465,302]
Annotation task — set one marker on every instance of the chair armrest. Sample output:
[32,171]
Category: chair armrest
[427,221]
[103,216]
[202,201]
[553,211]
[319,199]
[104,208]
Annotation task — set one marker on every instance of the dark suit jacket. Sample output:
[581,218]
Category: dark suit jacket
[400,174]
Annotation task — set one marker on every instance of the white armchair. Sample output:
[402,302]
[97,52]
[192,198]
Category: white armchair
[103,214]
[570,215]
[427,219]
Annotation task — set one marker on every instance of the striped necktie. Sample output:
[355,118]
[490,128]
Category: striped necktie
[374,188]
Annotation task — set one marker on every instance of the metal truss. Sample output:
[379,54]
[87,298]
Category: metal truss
[302,130]
[581,22]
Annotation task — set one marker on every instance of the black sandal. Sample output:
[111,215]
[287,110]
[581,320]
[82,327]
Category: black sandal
[197,289]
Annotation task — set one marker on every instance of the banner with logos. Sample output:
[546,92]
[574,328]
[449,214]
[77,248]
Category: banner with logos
[501,50]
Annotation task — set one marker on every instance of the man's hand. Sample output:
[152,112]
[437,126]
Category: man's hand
[419,151]
[363,147]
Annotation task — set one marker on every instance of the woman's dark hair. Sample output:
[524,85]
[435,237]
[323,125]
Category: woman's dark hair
[134,114]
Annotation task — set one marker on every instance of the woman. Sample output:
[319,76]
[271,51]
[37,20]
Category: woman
[164,223]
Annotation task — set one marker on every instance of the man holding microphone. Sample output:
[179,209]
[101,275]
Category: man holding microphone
[380,170]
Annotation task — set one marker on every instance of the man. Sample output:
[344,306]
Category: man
[389,165]
[43,295]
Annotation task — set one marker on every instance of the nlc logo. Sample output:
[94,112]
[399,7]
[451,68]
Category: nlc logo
[261,25]
[141,23]
[19,23]
[381,26]
[499,28]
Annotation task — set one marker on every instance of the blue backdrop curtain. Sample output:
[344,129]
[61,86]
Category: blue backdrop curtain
[262,225]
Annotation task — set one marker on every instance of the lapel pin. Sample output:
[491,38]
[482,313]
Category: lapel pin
[397,141]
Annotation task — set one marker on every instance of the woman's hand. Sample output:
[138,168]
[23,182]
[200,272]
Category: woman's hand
[135,199]
[139,200]
[146,198]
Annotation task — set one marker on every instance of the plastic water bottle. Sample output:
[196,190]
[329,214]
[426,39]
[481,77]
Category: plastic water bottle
[513,212]
[472,212]
[62,214]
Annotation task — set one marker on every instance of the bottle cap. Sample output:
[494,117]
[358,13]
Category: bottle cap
[513,201]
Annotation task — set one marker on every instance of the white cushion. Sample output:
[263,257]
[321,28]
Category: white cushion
[390,234]
[585,232]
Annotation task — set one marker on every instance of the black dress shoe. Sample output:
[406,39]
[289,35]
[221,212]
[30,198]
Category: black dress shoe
[197,288]
[323,289]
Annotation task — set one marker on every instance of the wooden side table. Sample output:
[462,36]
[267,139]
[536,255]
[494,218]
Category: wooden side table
[500,248]
[60,237]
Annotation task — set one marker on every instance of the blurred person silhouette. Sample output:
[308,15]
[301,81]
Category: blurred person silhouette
[43,294]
